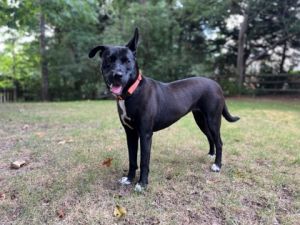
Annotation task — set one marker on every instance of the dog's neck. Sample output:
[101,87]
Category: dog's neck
[130,90]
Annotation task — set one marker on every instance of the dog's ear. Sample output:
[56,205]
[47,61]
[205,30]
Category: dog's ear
[132,44]
[93,52]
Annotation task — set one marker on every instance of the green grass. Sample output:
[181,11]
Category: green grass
[65,144]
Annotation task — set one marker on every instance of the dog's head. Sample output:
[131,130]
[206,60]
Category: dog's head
[119,67]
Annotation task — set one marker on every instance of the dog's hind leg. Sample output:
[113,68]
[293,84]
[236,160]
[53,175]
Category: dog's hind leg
[214,124]
[202,124]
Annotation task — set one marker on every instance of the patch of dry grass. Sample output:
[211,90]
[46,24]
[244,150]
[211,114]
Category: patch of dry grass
[66,143]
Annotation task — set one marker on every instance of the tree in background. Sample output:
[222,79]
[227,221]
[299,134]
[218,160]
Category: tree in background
[75,27]
[19,60]
[62,32]
[179,38]
[44,60]
[169,46]
[266,26]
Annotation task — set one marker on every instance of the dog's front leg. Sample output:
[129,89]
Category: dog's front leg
[132,145]
[145,143]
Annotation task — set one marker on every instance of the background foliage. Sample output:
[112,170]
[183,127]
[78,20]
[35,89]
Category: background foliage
[179,38]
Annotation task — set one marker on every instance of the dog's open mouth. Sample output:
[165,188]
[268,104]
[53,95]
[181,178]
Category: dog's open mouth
[116,89]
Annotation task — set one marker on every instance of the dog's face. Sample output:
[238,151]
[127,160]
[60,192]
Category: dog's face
[118,66]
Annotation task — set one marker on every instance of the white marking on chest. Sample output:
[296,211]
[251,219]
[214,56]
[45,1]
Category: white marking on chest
[123,115]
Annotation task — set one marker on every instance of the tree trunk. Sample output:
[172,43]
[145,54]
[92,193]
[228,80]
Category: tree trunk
[283,57]
[241,51]
[14,66]
[44,62]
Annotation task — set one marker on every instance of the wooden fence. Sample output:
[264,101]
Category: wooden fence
[7,95]
[274,84]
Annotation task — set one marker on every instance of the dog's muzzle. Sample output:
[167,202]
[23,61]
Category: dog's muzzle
[115,83]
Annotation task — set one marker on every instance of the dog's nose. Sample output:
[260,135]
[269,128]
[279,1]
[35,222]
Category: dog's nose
[117,74]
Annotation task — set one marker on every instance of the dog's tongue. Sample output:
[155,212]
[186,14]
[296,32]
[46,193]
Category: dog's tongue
[116,89]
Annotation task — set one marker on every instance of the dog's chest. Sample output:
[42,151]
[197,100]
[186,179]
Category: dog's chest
[123,114]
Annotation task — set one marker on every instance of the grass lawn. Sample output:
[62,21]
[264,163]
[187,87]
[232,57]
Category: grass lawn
[65,182]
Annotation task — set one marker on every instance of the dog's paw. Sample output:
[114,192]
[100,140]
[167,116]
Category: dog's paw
[139,188]
[215,168]
[124,181]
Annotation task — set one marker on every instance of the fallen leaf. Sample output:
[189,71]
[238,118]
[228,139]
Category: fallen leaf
[62,142]
[209,182]
[70,140]
[107,162]
[240,174]
[2,196]
[18,164]
[61,213]
[40,134]
[119,211]
[13,196]
[25,127]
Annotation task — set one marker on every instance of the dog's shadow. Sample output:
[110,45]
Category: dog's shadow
[113,186]
[115,189]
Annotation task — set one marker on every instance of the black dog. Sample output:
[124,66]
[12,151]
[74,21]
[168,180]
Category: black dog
[146,105]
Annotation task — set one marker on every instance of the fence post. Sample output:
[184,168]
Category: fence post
[5,96]
[9,95]
[15,94]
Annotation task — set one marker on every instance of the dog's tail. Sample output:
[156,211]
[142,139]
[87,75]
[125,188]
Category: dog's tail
[227,115]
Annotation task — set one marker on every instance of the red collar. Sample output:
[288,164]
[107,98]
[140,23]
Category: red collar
[133,87]
[135,84]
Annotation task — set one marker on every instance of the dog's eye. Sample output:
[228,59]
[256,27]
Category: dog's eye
[110,60]
[126,60]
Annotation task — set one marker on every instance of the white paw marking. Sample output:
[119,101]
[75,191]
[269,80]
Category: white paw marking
[138,188]
[124,181]
[124,116]
[215,168]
